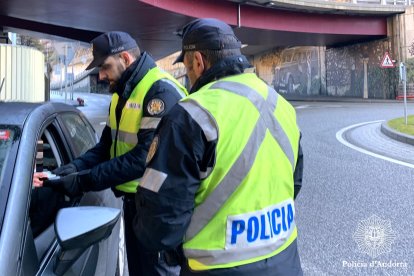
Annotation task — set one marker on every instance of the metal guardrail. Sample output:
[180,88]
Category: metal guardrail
[378,2]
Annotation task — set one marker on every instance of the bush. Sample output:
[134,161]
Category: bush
[410,70]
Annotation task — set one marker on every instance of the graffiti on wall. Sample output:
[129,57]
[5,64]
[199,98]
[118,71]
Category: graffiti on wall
[346,68]
[298,71]
[340,72]
[293,70]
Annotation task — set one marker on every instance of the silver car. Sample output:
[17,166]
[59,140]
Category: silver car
[43,232]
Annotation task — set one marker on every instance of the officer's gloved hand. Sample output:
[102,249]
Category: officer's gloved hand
[72,185]
[65,169]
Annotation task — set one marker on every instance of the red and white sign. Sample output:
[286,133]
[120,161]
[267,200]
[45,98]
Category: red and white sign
[387,61]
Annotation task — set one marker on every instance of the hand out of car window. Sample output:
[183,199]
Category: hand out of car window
[38,178]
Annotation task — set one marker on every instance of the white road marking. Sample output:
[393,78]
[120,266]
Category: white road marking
[346,143]
[301,106]
[102,123]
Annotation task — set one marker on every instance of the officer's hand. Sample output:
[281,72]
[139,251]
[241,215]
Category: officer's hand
[65,169]
[68,185]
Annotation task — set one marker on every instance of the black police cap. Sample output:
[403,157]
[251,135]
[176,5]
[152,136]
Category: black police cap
[108,44]
[207,34]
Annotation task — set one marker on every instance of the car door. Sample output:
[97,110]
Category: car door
[80,136]
[58,143]
[45,202]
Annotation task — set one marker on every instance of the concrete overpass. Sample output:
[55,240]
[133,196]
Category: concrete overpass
[261,24]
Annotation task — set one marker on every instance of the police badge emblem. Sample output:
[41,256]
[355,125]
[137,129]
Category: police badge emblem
[155,107]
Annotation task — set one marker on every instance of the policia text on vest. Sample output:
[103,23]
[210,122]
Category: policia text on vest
[274,222]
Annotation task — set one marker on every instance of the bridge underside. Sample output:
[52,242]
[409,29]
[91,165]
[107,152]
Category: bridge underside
[153,22]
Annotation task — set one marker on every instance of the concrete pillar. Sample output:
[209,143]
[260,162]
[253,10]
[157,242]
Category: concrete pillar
[322,66]
[365,61]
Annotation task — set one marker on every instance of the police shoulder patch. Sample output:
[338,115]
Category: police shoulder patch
[152,149]
[155,106]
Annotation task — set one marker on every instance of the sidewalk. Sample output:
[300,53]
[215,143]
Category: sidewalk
[57,96]
[317,98]
[88,98]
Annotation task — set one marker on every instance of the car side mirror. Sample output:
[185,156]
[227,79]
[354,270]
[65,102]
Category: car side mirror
[77,228]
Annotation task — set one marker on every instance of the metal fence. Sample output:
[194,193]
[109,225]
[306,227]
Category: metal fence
[22,75]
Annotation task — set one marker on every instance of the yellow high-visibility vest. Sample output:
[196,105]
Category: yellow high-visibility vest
[244,207]
[124,136]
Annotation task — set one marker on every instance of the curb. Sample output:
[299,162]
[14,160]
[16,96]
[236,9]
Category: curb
[401,137]
[338,99]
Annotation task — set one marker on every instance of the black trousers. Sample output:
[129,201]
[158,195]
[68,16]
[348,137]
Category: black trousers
[141,262]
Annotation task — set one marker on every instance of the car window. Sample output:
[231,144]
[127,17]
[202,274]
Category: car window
[45,202]
[9,137]
[6,140]
[81,134]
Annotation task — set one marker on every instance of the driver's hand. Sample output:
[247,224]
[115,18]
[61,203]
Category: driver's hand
[38,178]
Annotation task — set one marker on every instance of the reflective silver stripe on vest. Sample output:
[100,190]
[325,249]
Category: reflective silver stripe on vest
[182,94]
[266,110]
[203,119]
[126,137]
[206,210]
[153,180]
[149,122]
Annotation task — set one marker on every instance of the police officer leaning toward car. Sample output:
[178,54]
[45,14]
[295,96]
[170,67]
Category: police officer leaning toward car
[141,94]
[225,202]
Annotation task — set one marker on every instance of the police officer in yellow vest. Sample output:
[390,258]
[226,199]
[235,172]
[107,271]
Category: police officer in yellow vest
[224,167]
[142,94]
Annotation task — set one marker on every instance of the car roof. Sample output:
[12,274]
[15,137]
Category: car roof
[16,113]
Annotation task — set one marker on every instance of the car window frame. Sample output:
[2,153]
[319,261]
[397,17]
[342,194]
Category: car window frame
[28,250]
[56,136]
[8,173]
